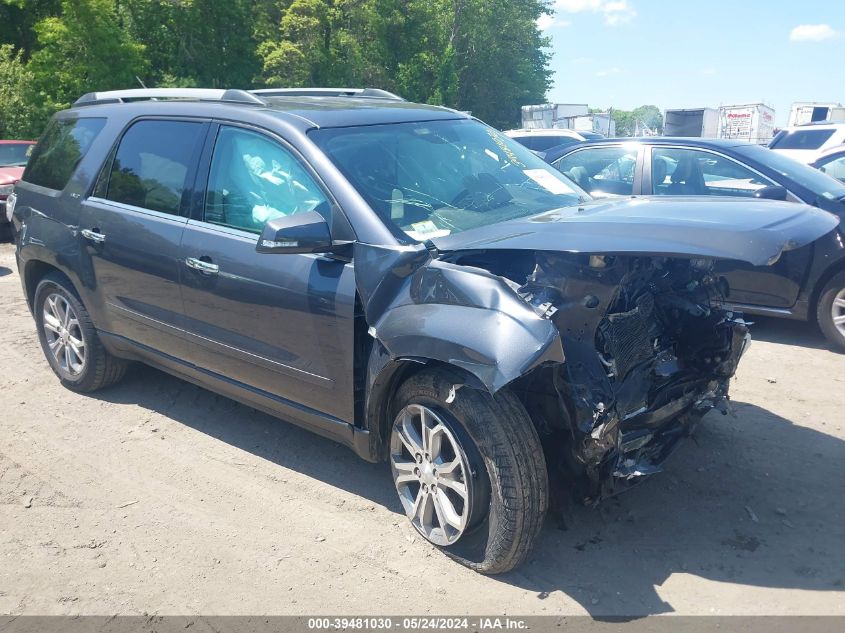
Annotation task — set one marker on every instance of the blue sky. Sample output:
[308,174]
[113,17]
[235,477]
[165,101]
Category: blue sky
[689,53]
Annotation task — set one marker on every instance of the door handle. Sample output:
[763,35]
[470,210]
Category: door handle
[202,266]
[93,235]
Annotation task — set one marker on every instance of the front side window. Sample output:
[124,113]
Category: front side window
[602,170]
[689,172]
[152,164]
[64,143]
[254,179]
[833,166]
[430,179]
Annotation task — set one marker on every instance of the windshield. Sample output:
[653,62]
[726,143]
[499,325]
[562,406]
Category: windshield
[14,154]
[430,179]
[819,183]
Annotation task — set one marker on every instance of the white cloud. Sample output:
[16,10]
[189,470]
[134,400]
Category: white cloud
[615,12]
[812,33]
[546,22]
[608,71]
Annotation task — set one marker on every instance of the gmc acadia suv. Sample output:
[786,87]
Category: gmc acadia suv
[400,278]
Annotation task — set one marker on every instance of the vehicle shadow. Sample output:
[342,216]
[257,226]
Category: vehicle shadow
[787,332]
[753,500]
[5,271]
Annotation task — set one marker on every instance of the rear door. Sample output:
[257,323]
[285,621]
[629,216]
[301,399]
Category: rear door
[133,225]
[686,171]
[282,324]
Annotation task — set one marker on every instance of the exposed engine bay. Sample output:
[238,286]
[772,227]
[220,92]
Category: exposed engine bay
[648,351]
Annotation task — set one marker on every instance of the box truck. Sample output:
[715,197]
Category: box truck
[697,122]
[752,122]
[551,115]
[803,112]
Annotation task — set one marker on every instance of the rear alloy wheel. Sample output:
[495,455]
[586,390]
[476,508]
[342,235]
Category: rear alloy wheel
[831,311]
[469,470]
[63,334]
[69,339]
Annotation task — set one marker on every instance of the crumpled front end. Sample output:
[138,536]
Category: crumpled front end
[648,350]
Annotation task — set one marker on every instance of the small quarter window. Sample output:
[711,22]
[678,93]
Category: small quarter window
[62,146]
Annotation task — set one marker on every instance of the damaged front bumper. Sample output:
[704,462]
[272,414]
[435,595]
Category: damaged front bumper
[648,351]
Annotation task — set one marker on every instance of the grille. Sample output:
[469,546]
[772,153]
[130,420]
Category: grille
[627,335]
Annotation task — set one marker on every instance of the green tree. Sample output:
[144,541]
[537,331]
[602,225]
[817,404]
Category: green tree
[17,118]
[84,49]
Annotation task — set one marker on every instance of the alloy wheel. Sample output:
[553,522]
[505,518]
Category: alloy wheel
[64,334]
[431,474]
[838,311]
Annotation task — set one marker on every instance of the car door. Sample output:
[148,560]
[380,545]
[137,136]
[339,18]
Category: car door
[686,171]
[604,170]
[282,324]
[133,226]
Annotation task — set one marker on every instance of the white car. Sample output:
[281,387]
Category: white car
[832,162]
[542,140]
[805,143]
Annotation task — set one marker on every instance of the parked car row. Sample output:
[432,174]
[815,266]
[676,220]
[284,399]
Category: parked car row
[807,283]
[13,157]
[412,283]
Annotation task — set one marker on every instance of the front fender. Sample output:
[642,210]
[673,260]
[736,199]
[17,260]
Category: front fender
[419,307]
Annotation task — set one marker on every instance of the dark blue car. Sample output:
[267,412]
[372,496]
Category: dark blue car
[807,283]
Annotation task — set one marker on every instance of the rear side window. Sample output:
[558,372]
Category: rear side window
[153,163]
[801,139]
[64,143]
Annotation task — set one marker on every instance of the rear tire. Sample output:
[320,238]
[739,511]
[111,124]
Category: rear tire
[69,340]
[506,484]
[830,311]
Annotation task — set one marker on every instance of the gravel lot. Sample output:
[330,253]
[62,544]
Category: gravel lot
[158,497]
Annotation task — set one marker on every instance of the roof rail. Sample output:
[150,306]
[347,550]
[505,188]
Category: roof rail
[828,122]
[358,93]
[154,94]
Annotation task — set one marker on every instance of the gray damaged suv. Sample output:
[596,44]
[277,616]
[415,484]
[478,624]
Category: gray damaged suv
[400,278]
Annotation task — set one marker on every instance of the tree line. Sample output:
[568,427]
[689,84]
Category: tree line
[485,56]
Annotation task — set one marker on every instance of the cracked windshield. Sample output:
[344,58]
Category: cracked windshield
[435,178]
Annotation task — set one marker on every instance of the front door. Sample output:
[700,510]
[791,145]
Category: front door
[696,172]
[279,323]
[133,226]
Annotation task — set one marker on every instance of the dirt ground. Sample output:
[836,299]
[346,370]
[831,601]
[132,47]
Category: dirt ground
[158,497]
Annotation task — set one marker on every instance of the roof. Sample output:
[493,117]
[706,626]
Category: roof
[349,111]
[305,108]
[815,125]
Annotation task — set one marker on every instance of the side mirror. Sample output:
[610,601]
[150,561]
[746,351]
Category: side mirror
[772,192]
[299,233]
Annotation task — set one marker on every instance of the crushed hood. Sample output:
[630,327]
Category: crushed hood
[749,230]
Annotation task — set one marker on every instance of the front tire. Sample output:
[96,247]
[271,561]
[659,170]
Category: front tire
[830,311]
[469,470]
[69,340]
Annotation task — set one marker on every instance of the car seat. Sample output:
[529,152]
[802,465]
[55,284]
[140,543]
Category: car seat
[658,175]
[686,179]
